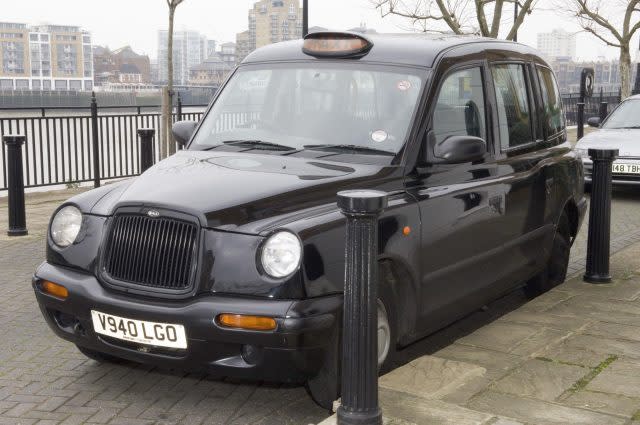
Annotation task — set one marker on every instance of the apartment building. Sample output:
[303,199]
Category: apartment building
[557,44]
[190,48]
[270,21]
[45,57]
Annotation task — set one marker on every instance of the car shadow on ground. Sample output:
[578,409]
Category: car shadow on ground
[463,327]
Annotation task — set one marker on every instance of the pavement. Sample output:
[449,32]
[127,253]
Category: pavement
[569,356]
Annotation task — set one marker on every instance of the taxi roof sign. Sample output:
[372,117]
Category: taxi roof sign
[336,44]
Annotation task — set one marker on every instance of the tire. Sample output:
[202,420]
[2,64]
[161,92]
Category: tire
[555,272]
[99,357]
[324,388]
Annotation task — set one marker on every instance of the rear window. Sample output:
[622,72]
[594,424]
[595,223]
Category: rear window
[552,104]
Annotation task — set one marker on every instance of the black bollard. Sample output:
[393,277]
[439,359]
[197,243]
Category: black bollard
[580,120]
[95,140]
[604,111]
[17,214]
[359,347]
[146,148]
[598,243]
[179,109]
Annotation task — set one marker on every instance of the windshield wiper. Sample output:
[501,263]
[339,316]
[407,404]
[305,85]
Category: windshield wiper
[259,143]
[353,148]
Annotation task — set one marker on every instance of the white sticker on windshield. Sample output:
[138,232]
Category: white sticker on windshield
[379,136]
[404,85]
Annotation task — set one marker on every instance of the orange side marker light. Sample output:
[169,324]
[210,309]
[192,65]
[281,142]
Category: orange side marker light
[54,289]
[239,321]
[406,230]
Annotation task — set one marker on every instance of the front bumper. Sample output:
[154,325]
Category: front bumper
[293,352]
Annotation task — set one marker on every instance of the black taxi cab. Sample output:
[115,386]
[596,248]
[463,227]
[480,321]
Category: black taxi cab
[228,257]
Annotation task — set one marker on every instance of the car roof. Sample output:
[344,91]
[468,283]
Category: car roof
[414,49]
[634,97]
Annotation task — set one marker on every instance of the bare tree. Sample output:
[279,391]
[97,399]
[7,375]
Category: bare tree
[167,146]
[481,17]
[598,18]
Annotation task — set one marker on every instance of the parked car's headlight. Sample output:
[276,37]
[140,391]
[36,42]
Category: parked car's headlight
[65,225]
[584,153]
[281,254]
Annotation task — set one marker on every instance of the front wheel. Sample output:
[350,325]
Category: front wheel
[324,388]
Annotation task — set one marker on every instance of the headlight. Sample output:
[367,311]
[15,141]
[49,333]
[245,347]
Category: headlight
[65,225]
[584,153]
[281,254]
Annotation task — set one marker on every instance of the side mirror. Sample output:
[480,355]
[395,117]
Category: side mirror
[182,131]
[459,149]
[594,122]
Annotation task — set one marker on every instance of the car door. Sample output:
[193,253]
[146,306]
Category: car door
[523,164]
[461,205]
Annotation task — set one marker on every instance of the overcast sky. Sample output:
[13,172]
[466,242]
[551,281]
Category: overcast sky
[116,23]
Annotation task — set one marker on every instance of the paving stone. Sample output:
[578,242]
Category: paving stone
[547,300]
[430,377]
[422,411]
[621,377]
[614,330]
[539,379]
[539,341]
[548,320]
[495,363]
[539,412]
[499,336]
[602,402]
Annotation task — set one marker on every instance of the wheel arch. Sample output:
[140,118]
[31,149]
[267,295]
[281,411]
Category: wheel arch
[573,215]
[396,282]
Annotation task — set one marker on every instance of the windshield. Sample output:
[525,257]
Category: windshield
[627,115]
[351,108]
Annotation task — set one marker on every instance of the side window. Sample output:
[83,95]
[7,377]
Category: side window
[514,116]
[552,105]
[460,108]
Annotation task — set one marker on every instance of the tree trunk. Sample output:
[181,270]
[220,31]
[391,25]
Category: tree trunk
[169,142]
[164,137]
[625,71]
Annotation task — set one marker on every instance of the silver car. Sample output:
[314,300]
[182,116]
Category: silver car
[620,130]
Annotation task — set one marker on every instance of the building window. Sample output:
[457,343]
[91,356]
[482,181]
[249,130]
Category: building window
[22,84]
[11,35]
[61,37]
[33,37]
[75,85]
[88,85]
[44,37]
[86,39]
[46,85]
[61,84]
[36,84]
[6,84]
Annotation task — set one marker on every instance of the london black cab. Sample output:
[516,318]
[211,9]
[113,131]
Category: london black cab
[228,257]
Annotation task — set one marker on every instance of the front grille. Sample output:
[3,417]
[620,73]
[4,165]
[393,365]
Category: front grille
[151,252]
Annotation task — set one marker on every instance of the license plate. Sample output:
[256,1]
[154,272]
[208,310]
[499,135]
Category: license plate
[625,168]
[139,331]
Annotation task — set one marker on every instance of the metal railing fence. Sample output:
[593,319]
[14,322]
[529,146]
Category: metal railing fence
[59,149]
